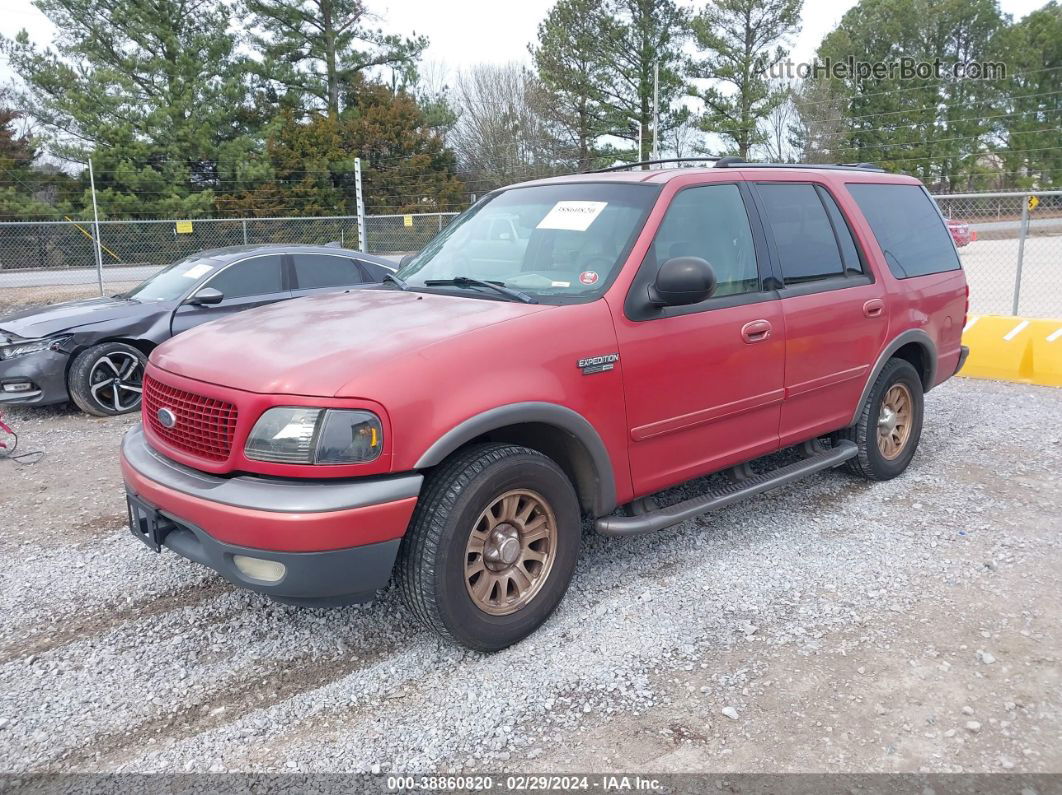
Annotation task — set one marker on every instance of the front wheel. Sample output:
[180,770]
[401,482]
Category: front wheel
[491,547]
[106,380]
[890,423]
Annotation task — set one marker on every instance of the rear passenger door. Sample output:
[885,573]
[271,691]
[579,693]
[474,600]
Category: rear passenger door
[316,272]
[835,316]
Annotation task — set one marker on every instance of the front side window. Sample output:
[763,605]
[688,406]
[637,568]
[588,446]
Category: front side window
[710,222]
[251,277]
[325,270]
[559,243]
[803,235]
[908,227]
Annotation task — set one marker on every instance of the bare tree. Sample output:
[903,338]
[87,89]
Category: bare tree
[684,139]
[817,132]
[775,131]
[503,133]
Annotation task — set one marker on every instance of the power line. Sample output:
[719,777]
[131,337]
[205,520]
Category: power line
[861,95]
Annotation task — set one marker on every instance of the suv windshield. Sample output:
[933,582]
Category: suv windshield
[558,243]
[174,280]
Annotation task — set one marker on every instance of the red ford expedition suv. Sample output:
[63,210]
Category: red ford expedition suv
[624,332]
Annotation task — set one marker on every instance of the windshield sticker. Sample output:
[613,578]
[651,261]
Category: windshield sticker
[196,271]
[588,277]
[573,216]
[560,284]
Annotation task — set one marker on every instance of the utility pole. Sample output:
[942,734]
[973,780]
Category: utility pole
[656,110]
[639,125]
[363,244]
[96,224]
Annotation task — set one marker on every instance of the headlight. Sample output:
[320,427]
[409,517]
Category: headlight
[24,347]
[293,435]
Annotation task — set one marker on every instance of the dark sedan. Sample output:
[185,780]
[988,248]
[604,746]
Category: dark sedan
[93,351]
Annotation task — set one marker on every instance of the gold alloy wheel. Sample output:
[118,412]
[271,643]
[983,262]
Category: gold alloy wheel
[510,552]
[894,421]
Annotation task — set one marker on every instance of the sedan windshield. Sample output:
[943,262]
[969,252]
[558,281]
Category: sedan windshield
[558,243]
[173,281]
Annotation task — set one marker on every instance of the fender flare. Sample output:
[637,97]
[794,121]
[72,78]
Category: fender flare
[553,414]
[911,335]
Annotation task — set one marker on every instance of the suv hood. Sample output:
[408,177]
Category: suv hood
[44,321]
[317,344]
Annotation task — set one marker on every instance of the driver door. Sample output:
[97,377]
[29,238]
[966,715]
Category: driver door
[245,284]
[703,383]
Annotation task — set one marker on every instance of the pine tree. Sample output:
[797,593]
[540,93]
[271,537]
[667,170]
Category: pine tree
[1032,127]
[936,127]
[635,36]
[741,40]
[153,88]
[316,48]
[405,164]
[572,72]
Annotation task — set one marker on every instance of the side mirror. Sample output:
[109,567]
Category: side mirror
[208,296]
[682,281]
[406,260]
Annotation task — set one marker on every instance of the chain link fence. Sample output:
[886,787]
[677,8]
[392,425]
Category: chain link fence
[1011,249]
[1010,245]
[403,234]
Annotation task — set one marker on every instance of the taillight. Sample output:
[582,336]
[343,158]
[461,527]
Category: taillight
[966,308]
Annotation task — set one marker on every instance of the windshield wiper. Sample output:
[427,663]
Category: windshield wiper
[498,287]
[390,277]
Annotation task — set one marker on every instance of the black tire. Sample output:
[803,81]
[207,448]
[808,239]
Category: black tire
[871,462]
[90,372]
[430,571]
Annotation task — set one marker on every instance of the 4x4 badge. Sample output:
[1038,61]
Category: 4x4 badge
[598,364]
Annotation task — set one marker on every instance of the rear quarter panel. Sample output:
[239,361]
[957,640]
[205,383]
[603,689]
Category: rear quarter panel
[935,303]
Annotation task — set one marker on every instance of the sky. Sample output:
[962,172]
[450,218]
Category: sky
[466,32]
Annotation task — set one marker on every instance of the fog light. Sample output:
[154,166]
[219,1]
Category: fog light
[18,386]
[259,569]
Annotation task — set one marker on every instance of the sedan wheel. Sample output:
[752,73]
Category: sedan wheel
[108,379]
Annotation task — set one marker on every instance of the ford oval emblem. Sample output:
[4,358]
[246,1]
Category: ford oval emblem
[167,418]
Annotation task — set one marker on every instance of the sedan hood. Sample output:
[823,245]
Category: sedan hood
[45,321]
[316,345]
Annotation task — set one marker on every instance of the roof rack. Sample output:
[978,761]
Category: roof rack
[730,161]
[727,162]
[654,163]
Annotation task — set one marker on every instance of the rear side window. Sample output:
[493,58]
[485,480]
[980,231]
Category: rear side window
[325,270]
[252,277]
[375,272]
[908,228]
[805,242]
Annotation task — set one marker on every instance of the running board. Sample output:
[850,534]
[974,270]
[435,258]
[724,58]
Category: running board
[618,526]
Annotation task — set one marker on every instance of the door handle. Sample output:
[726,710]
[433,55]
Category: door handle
[875,307]
[756,331]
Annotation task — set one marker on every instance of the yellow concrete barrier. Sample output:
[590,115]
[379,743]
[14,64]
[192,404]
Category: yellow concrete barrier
[1006,348]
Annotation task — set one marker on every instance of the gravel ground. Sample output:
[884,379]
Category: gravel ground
[831,626]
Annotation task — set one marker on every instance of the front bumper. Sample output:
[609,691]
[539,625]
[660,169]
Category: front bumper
[337,539]
[45,370]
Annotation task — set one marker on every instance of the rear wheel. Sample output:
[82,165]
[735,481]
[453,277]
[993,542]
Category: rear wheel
[491,547]
[106,380]
[890,423]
